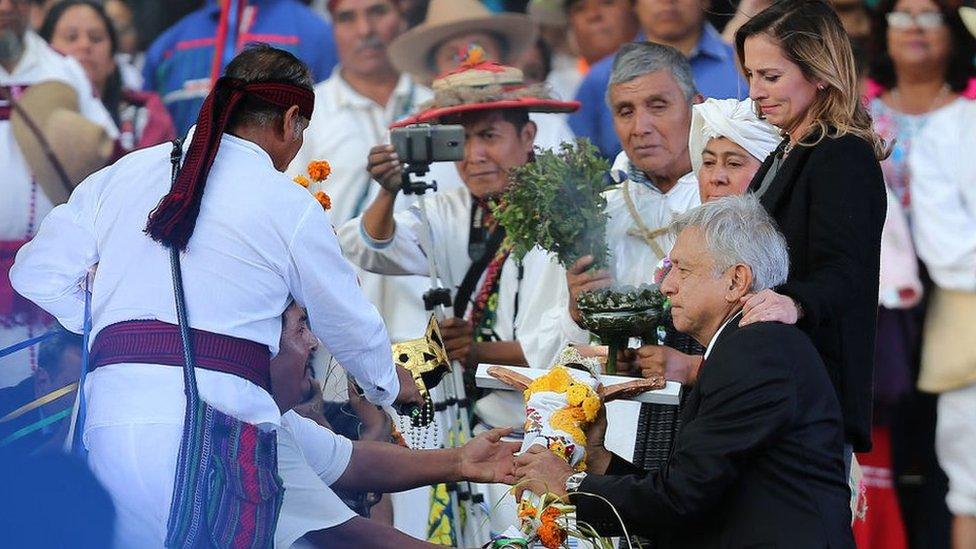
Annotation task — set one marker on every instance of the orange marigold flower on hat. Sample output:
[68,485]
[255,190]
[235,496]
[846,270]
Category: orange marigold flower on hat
[474,55]
[324,200]
[302,180]
[318,170]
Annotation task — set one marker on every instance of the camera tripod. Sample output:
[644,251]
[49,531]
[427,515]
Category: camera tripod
[456,405]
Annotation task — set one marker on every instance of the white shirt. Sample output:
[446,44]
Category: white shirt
[565,77]
[344,127]
[944,196]
[632,260]
[327,453]
[259,240]
[450,226]
[39,63]
[552,129]
[708,350]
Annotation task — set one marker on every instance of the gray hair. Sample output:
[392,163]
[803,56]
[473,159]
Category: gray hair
[738,230]
[639,58]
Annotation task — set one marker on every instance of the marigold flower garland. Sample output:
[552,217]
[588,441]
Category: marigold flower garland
[318,171]
[558,408]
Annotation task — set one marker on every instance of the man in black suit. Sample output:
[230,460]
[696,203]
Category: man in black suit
[758,461]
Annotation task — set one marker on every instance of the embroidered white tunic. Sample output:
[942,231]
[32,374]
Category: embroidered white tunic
[259,240]
[450,227]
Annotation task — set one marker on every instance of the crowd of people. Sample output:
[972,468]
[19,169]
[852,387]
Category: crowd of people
[792,173]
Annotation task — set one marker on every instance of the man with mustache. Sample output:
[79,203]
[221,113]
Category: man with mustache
[490,291]
[650,95]
[26,59]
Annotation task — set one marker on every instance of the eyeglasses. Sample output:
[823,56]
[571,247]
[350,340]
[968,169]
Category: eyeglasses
[904,20]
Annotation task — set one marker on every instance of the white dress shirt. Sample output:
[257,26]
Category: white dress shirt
[632,260]
[259,240]
[943,171]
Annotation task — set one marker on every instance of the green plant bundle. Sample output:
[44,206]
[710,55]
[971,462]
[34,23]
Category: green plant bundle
[556,203]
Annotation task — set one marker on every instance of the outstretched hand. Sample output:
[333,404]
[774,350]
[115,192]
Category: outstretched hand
[540,471]
[487,458]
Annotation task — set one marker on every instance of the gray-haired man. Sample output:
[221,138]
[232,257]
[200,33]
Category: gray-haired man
[650,95]
[759,456]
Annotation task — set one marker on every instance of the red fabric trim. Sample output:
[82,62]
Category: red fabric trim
[194,43]
[533,105]
[220,42]
[271,38]
[173,220]
[155,342]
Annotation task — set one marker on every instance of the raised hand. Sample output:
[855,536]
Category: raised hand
[385,167]
[580,279]
[487,458]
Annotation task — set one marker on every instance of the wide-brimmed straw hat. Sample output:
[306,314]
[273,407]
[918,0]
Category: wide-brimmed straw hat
[479,85]
[411,51]
[78,145]
[968,16]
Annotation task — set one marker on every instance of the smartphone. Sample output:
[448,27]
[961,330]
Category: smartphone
[426,144]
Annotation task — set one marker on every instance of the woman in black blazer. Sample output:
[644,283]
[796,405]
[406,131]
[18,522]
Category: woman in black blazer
[824,187]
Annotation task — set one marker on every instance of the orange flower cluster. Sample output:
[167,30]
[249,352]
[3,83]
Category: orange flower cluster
[319,170]
[302,180]
[550,533]
[324,200]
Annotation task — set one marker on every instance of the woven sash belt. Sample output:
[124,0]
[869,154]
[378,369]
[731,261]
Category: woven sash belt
[155,342]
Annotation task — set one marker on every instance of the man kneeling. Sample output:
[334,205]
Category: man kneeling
[758,459]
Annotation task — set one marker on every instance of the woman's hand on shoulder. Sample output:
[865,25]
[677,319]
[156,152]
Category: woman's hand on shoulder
[769,306]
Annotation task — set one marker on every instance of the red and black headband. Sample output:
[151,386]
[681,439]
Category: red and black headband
[173,220]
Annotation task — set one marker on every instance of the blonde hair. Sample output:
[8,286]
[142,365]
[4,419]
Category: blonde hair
[811,35]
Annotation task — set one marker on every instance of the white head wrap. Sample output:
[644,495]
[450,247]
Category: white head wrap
[734,120]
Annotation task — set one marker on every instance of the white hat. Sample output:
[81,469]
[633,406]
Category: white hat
[734,120]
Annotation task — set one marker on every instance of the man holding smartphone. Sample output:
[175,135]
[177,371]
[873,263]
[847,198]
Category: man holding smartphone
[468,245]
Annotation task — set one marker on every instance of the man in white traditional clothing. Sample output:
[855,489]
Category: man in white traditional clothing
[651,95]
[320,459]
[26,59]
[258,241]
[489,289]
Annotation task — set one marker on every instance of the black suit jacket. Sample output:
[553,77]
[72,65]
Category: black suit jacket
[829,202]
[758,461]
